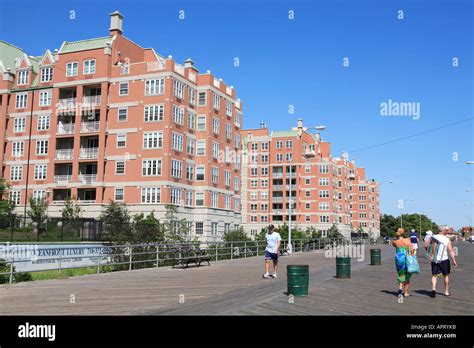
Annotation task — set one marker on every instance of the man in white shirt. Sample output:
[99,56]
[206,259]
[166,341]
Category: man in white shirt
[440,264]
[271,251]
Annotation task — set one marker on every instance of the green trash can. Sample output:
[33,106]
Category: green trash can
[298,277]
[375,257]
[343,267]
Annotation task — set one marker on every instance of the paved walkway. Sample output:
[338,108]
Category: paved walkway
[235,287]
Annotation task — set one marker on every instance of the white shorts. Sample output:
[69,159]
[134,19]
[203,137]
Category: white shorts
[415,246]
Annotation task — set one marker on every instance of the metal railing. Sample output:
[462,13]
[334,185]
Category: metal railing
[87,178]
[138,256]
[92,100]
[67,103]
[64,154]
[92,126]
[89,153]
[65,128]
[62,178]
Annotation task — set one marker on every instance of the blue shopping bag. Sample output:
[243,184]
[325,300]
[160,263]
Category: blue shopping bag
[412,264]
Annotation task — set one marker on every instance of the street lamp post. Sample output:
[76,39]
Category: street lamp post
[401,210]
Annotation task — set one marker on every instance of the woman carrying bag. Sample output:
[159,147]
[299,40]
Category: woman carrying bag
[404,258]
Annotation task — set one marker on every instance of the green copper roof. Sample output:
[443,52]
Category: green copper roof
[285,134]
[8,54]
[84,45]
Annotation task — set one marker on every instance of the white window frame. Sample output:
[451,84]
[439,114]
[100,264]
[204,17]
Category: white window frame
[89,67]
[72,69]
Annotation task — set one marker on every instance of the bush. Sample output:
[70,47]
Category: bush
[17,277]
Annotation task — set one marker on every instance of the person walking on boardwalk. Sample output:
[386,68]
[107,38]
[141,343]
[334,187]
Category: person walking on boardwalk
[437,249]
[402,247]
[273,240]
[414,240]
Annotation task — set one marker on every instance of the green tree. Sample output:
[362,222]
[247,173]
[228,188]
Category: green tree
[72,210]
[37,211]
[6,206]
[237,234]
[333,232]
[116,222]
[176,230]
[147,229]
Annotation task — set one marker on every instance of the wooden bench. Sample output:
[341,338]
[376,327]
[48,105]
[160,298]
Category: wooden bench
[185,256]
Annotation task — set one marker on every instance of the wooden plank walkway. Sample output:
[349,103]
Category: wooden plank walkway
[235,287]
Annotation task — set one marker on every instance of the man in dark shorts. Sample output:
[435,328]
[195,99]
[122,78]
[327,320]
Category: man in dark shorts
[271,251]
[440,264]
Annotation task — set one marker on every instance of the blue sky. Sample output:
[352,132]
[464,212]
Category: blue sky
[300,62]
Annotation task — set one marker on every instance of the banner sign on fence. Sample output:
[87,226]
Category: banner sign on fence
[39,257]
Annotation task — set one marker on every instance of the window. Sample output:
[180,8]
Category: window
[279,144]
[308,193]
[289,156]
[199,199]
[201,123]
[323,169]
[189,198]
[200,147]
[215,200]
[177,141]
[18,148]
[228,131]
[200,170]
[228,154]
[253,183]
[40,171]
[43,122]
[215,125]
[215,150]
[228,108]
[19,124]
[47,74]
[190,146]
[122,114]
[123,88]
[14,197]
[41,147]
[362,188]
[237,141]
[362,198]
[199,228]
[178,115]
[215,175]
[264,146]
[189,171]
[39,195]
[71,69]
[217,102]
[151,167]
[176,196]
[323,194]
[192,96]
[119,167]
[152,140]
[264,158]
[323,206]
[279,157]
[214,228]
[264,183]
[307,168]
[151,195]
[155,87]
[154,113]
[45,98]
[16,173]
[308,206]
[324,181]
[254,171]
[236,183]
[124,68]
[21,100]
[227,178]
[23,77]
[176,169]
[89,66]
[119,194]
[289,144]
[202,98]
[178,89]
[191,120]
[121,140]
[324,218]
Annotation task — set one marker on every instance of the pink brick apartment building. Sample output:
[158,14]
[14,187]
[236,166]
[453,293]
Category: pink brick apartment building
[105,119]
[325,190]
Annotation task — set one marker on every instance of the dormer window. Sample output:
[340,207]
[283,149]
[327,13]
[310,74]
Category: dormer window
[23,77]
[89,67]
[47,74]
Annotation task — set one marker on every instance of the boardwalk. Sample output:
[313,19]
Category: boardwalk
[235,287]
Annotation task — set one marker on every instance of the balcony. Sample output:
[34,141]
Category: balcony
[277,175]
[89,153]
[277,199]
[277,187]
[62,179]
[67,103]
[87,178]
[64,154]
[91,101]
[65,128]
[90,127]
[276,211]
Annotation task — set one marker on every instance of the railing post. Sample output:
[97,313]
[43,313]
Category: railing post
[60,259]
[217,254]
[130,259]
[319,243]
[11,266]
[257,247]
[245,249]
[231,251]
[157,256]
[301,246]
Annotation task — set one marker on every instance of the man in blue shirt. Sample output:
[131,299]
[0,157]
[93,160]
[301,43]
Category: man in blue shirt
[271,251]
[414,240]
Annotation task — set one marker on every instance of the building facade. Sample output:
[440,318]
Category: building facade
[297,167]
[105,119]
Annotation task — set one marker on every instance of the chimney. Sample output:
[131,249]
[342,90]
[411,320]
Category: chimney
[115,23]
[300,123]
